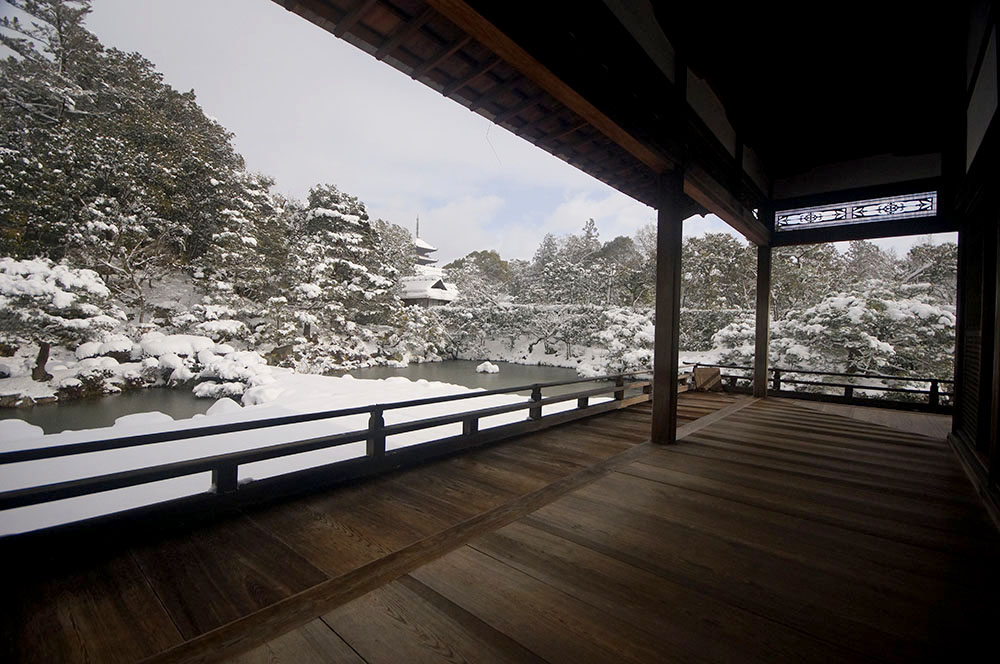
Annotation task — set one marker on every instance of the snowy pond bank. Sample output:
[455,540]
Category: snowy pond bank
[288,393]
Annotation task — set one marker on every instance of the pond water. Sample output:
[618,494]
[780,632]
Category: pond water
[103,411]
[182,404]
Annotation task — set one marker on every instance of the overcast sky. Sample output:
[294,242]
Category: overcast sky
[306,107]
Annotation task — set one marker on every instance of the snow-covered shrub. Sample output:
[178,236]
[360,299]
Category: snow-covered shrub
[223,329]
[231,374]
[627,336]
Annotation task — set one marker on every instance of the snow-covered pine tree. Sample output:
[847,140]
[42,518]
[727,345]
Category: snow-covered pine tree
[47,304]
[130,248]
[337,278]
[247,252]
[80,124]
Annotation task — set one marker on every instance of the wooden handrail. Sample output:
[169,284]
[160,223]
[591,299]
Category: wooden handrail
[779,378]
[827,373]
[18,456]
[224,467]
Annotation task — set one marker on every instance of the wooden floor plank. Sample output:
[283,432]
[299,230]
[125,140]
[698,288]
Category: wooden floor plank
[551,624]
[723,448]
[872,501]
[313,643]
[213,576]
[87,609]
[803,541]
[405,621]
[684,558]
[878,523]
[687,622]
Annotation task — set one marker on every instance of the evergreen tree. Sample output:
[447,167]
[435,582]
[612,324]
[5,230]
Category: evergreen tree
[336,273]
[81,124]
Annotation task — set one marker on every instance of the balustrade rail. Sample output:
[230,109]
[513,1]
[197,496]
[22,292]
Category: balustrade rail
[936,400]
[376,459]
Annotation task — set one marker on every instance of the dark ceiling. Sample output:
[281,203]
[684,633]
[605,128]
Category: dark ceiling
[804,84]
[812,83]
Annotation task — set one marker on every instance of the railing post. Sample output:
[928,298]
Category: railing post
[848,392]
[935,396]
[535,413]
[470,426]
[583,402]
[225,479]
[620,382]
[776,381]
[647,389]
[376,433]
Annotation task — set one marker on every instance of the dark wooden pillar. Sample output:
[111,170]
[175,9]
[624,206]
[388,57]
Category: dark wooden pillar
[994,424]
[669,224]
[762,333]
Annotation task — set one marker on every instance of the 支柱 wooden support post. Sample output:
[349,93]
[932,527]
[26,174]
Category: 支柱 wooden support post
[225,479]
[776,380]
[535,413]
[582,402]
[666,343]
[647,389]
[470,426]
[763,322]
[848,392]
[376,434]
[619,382]
[935,397]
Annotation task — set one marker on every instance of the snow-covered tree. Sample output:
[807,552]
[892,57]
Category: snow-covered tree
[130,248]
[250,247]
[81,124]
[47,303]
[336,276]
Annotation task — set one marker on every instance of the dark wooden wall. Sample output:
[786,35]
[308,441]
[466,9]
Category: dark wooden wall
[977,204]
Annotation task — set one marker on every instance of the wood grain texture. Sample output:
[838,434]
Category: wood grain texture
[405,621]
[212,576]
[54,609]
[788,543]
[313,643]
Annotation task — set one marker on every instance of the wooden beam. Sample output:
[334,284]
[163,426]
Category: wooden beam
[762,333]
[871,230]
[519,107]
[352,17]
[469,20]
[491,94]
[564,133]
[994,424]
[443,55]
[474,75]
[717,199]
[404,31]
[666,344]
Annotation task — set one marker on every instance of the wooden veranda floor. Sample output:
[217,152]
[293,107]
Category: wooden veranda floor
[772,533]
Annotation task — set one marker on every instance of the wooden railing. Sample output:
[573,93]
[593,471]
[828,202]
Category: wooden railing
[376,459]
[931,399]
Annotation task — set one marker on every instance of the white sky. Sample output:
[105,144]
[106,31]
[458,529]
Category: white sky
[306,108]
